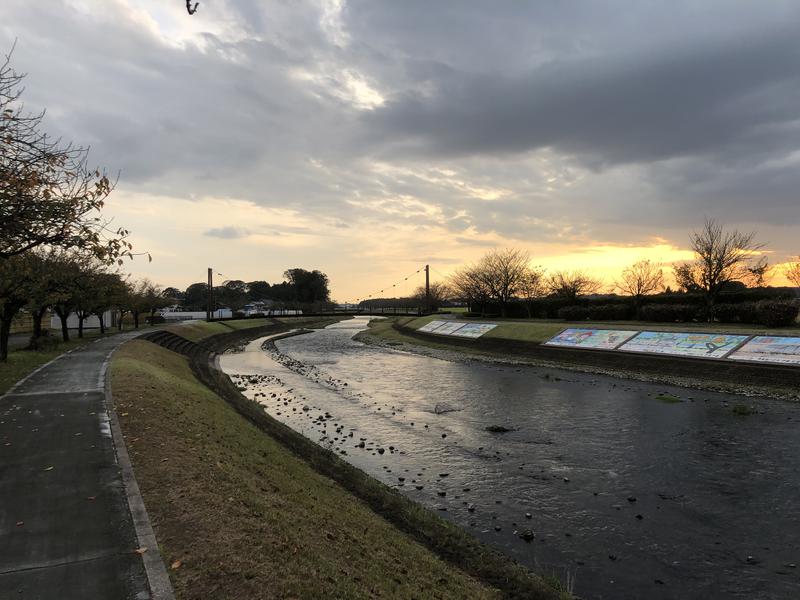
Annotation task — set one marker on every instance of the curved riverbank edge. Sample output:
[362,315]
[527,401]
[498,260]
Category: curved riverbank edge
[445,539]
[775,381]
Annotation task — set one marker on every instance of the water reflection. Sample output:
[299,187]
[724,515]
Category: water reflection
[631,496]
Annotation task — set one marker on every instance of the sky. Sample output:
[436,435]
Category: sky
[369,138]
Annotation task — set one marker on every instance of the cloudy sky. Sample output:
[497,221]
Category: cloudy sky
[367,138]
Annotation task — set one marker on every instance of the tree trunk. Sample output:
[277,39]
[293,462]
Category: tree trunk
[136,319]
[102,323]
[80,325]
[5,331]
[64,329]
[37,316]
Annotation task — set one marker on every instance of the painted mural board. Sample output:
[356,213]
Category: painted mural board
[431,327]
[448,328]
[698,345]
[596,339]
[770,349]
[473,330]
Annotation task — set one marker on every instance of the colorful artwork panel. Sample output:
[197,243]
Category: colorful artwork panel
[770,349]
[699,345]
[473,330]
[597,339]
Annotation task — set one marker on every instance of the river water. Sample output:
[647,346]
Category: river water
[631,489]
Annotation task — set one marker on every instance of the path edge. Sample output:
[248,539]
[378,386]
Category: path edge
[157,577]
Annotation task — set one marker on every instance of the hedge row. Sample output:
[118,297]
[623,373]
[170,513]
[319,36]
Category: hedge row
[769,313]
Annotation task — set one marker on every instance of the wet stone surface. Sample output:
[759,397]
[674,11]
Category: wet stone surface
[593,479]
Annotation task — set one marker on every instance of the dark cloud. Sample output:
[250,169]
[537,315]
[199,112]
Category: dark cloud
[707,98]
[591,121]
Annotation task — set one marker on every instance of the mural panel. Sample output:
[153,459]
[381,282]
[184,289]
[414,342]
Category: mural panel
[598,339]
[700,345]
[770,349]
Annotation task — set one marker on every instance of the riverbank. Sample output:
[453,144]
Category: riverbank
[520,343]
[238,514]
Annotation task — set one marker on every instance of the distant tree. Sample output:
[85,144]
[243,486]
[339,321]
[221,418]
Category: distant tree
[110,292]
[67,269]
[86,292]
[469,285]
[639,280]
[309,286]
[721,257]
[49,196]
[258,290]
[532,287]
[758,273]
[45,289]
[792,272]
[196,297]
[571,284]
[504,271]
[146,298]
[439,293]
[174,295]
[232,294]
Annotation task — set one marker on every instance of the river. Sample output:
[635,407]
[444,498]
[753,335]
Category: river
[631,489]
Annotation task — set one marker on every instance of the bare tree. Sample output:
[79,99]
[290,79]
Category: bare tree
[439,293]
[469,285]
[571,284]
[792,272]
[503,272]
[721,257]
[49,196]
[532,287]
[640,279]
[758,273]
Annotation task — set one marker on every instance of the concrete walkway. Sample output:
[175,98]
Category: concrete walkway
[66,529]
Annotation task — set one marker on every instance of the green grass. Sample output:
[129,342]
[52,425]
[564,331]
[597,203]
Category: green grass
[245,517]
[668,399]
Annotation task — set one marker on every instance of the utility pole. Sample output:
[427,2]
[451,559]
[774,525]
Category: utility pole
[427,288]
[210,299]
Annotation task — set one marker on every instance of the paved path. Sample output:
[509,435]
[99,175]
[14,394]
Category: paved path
[65,524]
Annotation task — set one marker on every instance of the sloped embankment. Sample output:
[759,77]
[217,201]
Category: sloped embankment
[254,515]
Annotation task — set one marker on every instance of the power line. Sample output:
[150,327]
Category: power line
[388,287]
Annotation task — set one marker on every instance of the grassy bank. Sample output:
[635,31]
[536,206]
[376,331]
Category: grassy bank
[541,330]
[200,330]
[239,516]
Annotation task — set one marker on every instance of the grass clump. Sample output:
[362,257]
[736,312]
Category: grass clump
[668,399]
[742,410]
[245,517]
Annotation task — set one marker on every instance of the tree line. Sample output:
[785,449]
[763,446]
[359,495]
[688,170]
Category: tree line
[725,261]
[56,246]
[299,287]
